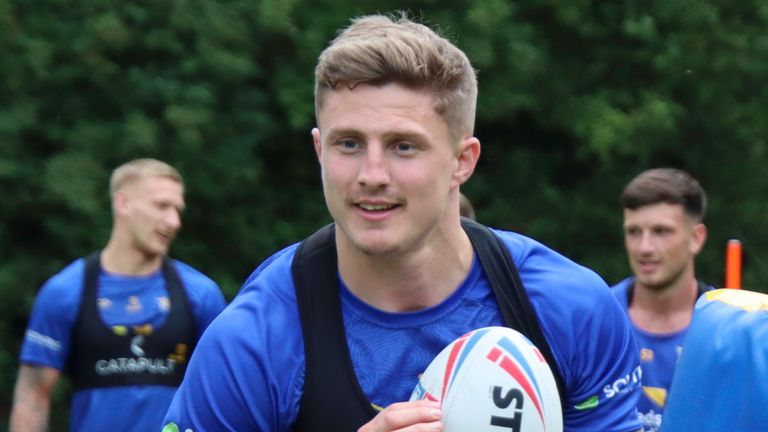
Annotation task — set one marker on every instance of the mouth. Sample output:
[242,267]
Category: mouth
[376,211]
[648,265]
[376,207]
[165,237]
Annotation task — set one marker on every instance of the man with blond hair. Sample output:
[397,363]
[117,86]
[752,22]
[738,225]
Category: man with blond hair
[333,333]
[122,322]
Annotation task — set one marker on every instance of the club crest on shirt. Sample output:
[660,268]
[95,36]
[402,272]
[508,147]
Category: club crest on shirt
[104,303]
[646,355]
[164,303]
[134,305]
[145,329]
[180,355]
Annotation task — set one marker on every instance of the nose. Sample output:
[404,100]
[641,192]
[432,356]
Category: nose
[645,242]
[374,168]
[173,219]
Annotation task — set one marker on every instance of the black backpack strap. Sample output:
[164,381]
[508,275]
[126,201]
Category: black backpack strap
[333,399]
[515,306]
[93,342]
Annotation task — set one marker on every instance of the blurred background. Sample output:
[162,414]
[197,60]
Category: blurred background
[576,98]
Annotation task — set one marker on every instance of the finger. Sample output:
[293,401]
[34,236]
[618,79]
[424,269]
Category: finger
[422,415]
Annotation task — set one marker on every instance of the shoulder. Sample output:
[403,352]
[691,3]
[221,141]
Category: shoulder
[623,285]
[267,302]
[566,295]
[204,295]
[546,272]
[46,340]
[192,277]
[728,313]
[705,287]
[256,339]
[197,285]
[725,340]
[64,289]
[273,275]
[621,290]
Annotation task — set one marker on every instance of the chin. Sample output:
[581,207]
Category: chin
[153,252]
[379,244]
[376,249]
[371,241]
[655,285]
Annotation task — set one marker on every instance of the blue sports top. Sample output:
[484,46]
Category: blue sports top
[123,301]
[659,353]
[248,369]
[720,382]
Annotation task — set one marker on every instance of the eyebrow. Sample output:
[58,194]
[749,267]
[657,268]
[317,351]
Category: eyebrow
[355,133]
[345,132]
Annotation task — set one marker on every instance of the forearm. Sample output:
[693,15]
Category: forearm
[32,398]
[30,415]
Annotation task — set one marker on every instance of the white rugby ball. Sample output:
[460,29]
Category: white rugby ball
[492,379]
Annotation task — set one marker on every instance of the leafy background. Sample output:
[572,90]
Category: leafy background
[576,98]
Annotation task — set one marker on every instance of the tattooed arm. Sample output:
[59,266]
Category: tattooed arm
[32,398]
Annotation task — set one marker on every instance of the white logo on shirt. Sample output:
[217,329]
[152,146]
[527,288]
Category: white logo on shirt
[164,303]
[136,343]
[104,303]
[43,340]
[624,384]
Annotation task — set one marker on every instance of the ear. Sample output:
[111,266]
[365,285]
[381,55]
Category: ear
[467,157]
[120,203]
[698,237]
[316,142]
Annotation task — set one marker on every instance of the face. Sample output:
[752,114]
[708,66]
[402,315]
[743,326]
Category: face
[661,242]
[150,210]
[389,168]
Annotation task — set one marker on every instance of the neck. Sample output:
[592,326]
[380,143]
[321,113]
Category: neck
[121,259]
[664,310]
[411,280]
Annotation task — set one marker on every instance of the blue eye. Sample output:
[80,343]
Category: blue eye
[348,144]
[404,147]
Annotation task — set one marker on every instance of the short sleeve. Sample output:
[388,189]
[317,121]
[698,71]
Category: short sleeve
[47,337]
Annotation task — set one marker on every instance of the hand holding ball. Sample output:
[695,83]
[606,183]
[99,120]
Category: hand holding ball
[492,379]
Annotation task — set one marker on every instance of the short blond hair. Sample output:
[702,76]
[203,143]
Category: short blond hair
[130,172]
[378,50]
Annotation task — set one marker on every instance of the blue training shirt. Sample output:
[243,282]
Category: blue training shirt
[247,372]
[659,354]
[122,301]
[720,383]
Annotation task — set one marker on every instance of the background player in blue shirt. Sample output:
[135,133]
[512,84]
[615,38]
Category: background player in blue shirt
[395,106]
[125,337]
[720,381]
[663,233]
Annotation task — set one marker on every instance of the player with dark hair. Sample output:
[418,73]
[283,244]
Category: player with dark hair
[663,232]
